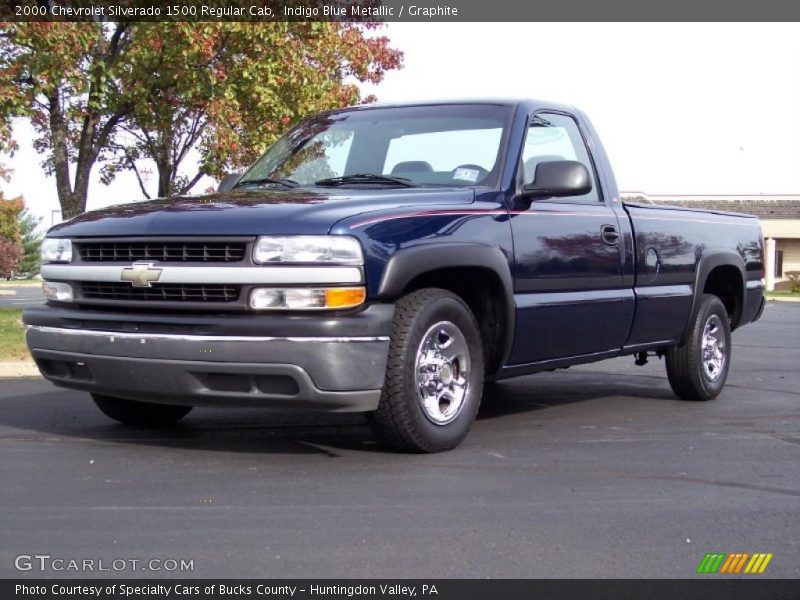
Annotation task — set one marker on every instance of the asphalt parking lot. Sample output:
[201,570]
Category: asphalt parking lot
[596,471]
[20,296]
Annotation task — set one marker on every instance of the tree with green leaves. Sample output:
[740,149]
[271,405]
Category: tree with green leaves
[31,241]
[117,94]
[10,235]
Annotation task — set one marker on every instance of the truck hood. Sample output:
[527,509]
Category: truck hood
[251,212]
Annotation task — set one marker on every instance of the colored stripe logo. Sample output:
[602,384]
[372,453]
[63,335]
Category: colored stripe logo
[735,563]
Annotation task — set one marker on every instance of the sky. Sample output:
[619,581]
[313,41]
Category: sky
[681,108]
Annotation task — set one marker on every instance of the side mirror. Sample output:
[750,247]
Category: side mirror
[228,182]
[558,178]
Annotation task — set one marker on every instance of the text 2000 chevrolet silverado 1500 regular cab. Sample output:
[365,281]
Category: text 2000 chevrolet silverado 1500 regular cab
[390,260]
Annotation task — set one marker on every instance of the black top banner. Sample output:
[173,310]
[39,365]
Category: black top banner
[440,11]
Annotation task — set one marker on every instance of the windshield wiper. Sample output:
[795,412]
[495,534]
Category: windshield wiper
[365,178]
[289,183]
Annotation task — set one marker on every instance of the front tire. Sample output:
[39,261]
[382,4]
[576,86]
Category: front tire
[140,414]
[697,370]
[434,375]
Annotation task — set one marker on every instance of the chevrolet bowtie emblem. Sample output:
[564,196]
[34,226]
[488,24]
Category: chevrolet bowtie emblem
[141,274]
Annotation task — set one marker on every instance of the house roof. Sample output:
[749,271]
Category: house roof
[764,207]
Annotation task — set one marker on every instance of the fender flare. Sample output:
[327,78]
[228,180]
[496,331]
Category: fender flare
[707,263]
[403,266]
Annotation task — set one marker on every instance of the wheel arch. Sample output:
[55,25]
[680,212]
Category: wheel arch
[722,273]
[475,272]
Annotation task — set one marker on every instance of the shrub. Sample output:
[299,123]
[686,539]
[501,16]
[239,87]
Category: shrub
[10,255]
[794,279]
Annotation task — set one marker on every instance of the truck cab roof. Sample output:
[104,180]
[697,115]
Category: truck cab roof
[528,104]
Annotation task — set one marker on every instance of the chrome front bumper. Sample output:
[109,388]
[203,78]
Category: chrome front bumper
[342,374]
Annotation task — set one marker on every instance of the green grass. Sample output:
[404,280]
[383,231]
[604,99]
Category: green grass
[12,336]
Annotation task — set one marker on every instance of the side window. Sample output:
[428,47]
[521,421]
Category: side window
[556,137]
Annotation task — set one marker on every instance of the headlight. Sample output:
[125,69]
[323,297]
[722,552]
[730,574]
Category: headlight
[56,250]
[306,298]
[333,249]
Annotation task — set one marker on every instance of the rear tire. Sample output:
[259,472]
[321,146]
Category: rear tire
[140,414]
[697,370]
[434,375]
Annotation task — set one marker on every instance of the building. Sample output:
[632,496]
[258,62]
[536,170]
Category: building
[780,222]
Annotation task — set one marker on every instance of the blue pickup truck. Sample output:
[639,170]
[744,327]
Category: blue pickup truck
[391,260]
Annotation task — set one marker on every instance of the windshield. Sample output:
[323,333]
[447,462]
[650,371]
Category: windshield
[447,145]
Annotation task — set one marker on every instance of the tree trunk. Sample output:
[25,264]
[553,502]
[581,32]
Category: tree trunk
[164,164]
[73,204]
[164,180]
[71,197]
[76,201]
[92,139]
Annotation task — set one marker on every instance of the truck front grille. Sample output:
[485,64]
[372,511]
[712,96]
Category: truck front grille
[161,292]
[166,251]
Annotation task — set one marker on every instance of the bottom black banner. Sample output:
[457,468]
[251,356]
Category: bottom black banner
[373,589]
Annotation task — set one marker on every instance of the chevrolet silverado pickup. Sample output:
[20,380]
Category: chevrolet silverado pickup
[390,260]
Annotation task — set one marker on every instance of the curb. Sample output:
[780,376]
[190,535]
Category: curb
[19,368]
[8,292]
[784,299]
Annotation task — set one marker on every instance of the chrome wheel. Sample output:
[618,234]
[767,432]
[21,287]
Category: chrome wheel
[442,372]
[713,348]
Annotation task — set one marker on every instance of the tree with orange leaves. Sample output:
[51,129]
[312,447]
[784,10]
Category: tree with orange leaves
[116,94]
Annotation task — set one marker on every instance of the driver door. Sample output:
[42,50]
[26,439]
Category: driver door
[568,264]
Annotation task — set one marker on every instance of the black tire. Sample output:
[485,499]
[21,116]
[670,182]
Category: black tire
[140,414]
[401,422]
[690,376]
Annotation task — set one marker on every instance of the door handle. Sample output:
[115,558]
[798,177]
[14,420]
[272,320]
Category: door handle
[610,234]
